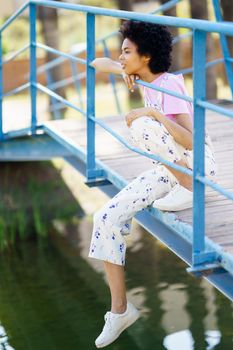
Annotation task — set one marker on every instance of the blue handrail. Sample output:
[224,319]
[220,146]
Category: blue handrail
[59,98]
[112,79]
[33,65]
[225,49]
[60,53]
[161,8]
[57,61]
[17,90]
[203,25]
[200,29]
[1,90]
[14,16]
[17,53]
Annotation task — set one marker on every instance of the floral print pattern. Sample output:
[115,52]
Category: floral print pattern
[113,221]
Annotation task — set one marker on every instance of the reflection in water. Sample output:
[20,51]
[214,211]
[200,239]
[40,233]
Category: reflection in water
[174,299]
[4,345]
[213,338]
[52,297]
[181,340]
[210,320]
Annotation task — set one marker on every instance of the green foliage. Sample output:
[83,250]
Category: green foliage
[2,233]
[22,223]
[99,3]
[32,196]
[72,29]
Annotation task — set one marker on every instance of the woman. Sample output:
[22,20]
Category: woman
[164,127]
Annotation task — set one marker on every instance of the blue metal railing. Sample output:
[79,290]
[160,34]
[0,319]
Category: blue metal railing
[227,60]
[33,64]
[1,89]
[200,29]
[225,49]
[21,88]
[58,61]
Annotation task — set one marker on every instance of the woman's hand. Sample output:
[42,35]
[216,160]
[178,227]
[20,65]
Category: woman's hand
[107,65]
[137,113]
[129,80]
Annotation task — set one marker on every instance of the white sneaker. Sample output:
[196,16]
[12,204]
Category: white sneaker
[115,324]
[179,198]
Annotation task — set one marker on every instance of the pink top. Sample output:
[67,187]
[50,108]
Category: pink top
[167,104]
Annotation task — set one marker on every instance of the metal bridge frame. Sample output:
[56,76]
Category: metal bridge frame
[75,77]
[205,256]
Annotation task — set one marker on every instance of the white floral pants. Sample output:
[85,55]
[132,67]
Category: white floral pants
[113,221]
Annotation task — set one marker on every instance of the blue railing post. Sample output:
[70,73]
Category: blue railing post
[199,82]
[90,96]
[224,45]
[33,75]
[112,79]
[77,82]
[94,176]
[56,113]
[201,259]
[1,90]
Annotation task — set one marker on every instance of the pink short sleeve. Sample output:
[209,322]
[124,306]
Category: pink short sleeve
[174,105]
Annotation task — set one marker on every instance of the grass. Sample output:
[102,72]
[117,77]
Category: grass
[33,195]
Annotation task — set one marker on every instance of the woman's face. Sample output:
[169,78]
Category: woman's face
[130,60]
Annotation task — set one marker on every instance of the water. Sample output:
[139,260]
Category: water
[52,296]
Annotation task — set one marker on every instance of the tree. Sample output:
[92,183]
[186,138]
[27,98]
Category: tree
[176,51]
[125,5]
[50,31]
[134,97]
[227,9]
[199,10]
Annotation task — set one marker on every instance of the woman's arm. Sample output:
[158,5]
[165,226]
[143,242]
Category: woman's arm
[107,65]
[181,129]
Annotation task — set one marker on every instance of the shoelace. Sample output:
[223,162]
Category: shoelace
[107,319]
[172,193]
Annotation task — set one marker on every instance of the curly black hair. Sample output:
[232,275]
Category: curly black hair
[151,39]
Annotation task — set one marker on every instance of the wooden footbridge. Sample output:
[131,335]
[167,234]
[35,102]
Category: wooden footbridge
[100,149]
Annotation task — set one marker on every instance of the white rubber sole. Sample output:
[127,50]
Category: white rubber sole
[181,207]
[134,319]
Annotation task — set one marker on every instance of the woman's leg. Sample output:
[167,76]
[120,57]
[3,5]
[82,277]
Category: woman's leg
[184,179]
[152,136]
[113,221]
[116,279]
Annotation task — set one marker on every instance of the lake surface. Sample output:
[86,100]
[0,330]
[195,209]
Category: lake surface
[53,297]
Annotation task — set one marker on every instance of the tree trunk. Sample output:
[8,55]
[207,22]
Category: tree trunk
[49,23]
[199,10]
[139,1]
[135,98]
[227,9]
[176,51]
[125,5]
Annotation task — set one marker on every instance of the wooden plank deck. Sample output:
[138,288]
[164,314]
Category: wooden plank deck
[219,210]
